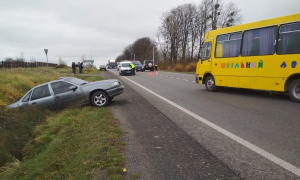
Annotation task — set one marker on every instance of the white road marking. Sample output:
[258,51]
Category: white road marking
[177,78]
[185,80]
[234,137]
[166,76]
[193,81]
[171,77]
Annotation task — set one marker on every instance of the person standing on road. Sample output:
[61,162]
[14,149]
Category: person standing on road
[132,68]
[155,66]
[74,67]
[81,67]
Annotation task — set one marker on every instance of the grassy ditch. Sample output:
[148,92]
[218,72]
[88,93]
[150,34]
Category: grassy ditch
[77,143]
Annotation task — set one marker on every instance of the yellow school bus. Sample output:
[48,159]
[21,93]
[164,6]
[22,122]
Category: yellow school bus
[263,55]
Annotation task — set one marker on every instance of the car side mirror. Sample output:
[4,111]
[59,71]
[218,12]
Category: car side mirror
[73,88]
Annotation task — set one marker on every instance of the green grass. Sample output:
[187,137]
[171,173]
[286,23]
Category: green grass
[77,143]
[135,176]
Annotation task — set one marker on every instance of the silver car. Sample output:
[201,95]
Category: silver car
[69,91]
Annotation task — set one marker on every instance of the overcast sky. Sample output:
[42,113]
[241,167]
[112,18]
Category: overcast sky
[98,29]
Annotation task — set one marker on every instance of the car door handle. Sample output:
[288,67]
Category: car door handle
[56,96]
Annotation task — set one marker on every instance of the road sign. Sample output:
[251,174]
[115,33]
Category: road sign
[46,51]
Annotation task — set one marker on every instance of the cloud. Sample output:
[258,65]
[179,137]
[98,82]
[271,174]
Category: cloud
[70,29]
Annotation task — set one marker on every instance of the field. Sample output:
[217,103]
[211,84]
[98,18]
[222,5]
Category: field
[76,143]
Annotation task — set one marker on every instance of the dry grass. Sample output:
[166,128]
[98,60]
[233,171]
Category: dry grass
[179,67]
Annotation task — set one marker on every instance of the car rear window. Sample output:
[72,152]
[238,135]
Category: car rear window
[148,61]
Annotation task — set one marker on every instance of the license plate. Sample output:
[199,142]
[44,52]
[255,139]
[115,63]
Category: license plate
[128,71]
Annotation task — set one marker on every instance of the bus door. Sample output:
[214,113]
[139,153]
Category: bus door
[205,65]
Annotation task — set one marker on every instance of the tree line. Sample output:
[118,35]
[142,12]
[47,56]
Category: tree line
[182,32]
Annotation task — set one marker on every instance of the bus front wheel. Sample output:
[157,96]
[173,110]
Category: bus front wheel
[294,90]
[210,83]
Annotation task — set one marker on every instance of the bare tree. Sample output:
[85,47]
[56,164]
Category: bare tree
[119,58]
[32,59]
[61,62]
[21,58]
[8,59]
[170,31]
[203,26]
[230,15]
[143,48]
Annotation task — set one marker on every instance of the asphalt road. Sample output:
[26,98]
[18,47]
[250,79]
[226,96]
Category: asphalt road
[254,134]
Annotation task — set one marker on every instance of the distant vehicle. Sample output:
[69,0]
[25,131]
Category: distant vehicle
[111,64]
[125,68]
[102,67]
[148,65]
[138,66]
[118,65]
[263,55]
[69,91]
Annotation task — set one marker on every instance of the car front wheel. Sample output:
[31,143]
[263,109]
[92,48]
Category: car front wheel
[294,90]
[99,99]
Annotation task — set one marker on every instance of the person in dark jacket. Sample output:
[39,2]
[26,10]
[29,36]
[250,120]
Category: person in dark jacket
[81,67]
[74,67]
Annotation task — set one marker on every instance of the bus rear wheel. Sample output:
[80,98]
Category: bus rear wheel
[294,90]
[210,83]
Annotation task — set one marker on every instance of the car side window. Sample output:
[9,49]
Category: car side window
[26,98]
[40,92]
[60,87]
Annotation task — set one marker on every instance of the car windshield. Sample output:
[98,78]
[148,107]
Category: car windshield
[136,62]
[76,81]
[125,64]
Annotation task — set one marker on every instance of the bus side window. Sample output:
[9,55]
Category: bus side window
[289,39]
[228,45]
[258,42]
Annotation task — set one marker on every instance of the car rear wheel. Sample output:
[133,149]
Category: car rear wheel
[294,90]
[99,99]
